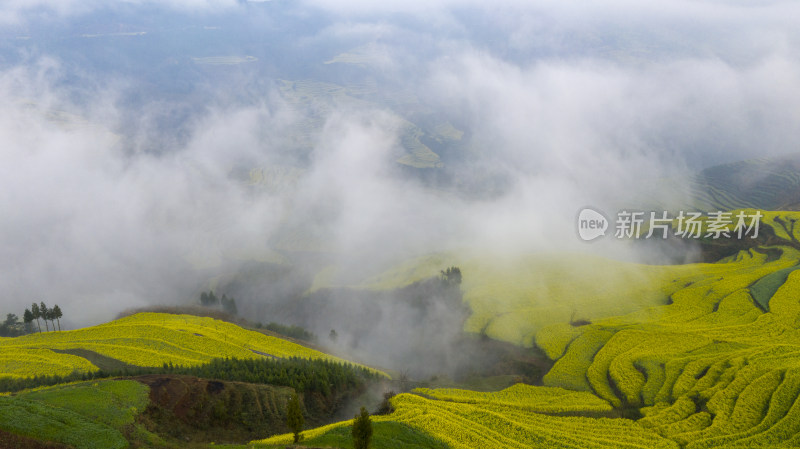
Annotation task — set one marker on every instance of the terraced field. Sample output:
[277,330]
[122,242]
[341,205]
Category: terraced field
[708,354]
[535,399]
[766,183]
[86,415]
[514,300]
[507,419]
[144,339]
[711,369]
[713,366]
[511,300]
[698,356]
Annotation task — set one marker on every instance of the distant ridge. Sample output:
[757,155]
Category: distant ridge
[763,183]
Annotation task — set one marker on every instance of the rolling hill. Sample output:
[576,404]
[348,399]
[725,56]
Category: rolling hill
[144,340]
[717,364]
[175,379]
[677,356]
[696,356]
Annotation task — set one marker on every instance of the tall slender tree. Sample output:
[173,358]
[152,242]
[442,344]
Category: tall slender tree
[294,418]
[57,315]
[27,317]
[36,315]
[45,313]
[362,430]
[52,317]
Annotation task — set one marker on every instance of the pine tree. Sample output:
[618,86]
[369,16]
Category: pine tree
[27,317]
[11,320]
[57,315]
[45,314]
[50,317]
[229,305]
[294,418]
[36,315]
[362,430]
[213,301]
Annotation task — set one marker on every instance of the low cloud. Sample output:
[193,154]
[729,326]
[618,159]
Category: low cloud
[560,107]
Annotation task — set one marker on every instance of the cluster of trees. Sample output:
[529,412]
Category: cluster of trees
[361,431]
[41,311]
[288,331]
[11,327]
[323,377]
[210,299]
[451,276]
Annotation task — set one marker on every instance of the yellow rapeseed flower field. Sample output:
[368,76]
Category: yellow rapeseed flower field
[147,340]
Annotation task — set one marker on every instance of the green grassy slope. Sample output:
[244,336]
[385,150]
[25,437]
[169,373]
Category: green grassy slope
[113,403]
[83,415]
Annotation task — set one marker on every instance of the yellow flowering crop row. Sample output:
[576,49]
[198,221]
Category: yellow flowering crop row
[495,422]
[526,397]
[712,369]
[570,370]
[29,362]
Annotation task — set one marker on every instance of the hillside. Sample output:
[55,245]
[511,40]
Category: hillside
[518,417]
[164,380]
[144,340]
[696,356]
[715,365]
[83,416]
[512,299]
[763,183]
[148,411]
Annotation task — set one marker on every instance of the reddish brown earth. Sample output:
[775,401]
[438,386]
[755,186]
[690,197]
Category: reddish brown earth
[13,441]
[186,408]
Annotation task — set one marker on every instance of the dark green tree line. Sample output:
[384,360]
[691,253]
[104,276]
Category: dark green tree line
[309,377]
[210,299]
